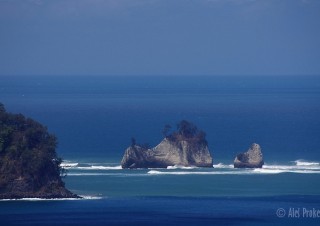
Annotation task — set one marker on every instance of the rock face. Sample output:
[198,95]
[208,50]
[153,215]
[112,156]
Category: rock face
[29,165]
[185,147]
[167,153]
[26,188]
[251,159]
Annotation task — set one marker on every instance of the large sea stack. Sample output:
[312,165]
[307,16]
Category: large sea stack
[251,159]
[185,147]
[29,165]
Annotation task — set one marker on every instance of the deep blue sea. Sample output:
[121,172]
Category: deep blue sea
[94,118]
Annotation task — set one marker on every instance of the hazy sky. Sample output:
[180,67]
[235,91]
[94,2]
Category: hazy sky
[159,37]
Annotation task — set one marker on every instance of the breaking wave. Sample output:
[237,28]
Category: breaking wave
[99,167]
[89,166]
[301,162]
[157,172]
[111,169]
[222,166]
[299,166]
[85,197]
[68,165]
[234,172]
[181,167]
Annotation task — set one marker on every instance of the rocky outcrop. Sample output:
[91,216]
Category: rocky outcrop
[29,164]
[251,159]
[25,188]
[167,153]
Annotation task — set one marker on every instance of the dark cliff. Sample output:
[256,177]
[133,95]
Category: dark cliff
[29,165]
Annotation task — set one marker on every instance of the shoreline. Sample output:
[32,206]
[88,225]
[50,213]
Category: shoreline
[81,197]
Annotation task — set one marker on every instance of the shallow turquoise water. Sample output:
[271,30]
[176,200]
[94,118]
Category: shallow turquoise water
[110,180]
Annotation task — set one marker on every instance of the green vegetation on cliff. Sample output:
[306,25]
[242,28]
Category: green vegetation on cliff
[186,131]
[29,165]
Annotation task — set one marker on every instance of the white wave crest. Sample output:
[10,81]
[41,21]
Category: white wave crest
[268,171]
[291,167]
[271,170]
[113,174]
[156,172]
[91,197]
[105,169]
[181,167]
[276,171]
[301,162]
[55,199]
[83,197]
[99,167]
[68,164]
[222,166]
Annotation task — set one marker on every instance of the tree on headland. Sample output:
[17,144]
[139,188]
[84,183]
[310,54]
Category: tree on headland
[28,158]
[189,132]
[187,129]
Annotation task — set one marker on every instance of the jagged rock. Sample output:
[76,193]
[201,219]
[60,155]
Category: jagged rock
[185,147]
[251,159]
[168,153]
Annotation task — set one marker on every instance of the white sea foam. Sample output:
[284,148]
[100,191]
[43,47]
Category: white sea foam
[181,167]
[276,171]
[249,172]
[68,164]
[86,197]
[91,197]
[222,166]
[156,172]
[228,170]
[99,167]
[291,167]
[301,162]
[105,169]
[88,166]
[38,199]
[55,199]
[268,171]
[118,174]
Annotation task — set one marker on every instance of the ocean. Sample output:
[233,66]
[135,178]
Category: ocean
[95,117]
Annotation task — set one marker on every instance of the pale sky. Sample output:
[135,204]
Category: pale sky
[159,37]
